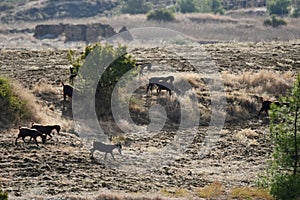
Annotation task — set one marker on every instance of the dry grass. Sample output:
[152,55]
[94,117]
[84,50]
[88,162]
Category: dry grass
[265,82]
[175,193]
[30,112]
[214,190]
[247,137]
[44,88]
[249,193]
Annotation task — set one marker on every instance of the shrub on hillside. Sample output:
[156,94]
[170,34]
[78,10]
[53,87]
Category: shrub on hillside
[186,6]
[16,104]
[3,195]
[161,15]
[136,7]
[278,7]
[275,22]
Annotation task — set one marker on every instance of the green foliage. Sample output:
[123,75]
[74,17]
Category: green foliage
[283,175]
[161,15]
[202,6]
[104,65]
[3,195]
[278,7]
[136,6]
[187,6]
[15,108]
[296,9]
[275,22]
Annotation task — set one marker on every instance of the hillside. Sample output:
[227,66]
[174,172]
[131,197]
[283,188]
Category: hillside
[50,9]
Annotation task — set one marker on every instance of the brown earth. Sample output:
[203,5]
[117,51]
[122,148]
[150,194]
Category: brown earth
[63,166]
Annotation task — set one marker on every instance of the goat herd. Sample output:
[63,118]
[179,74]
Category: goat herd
[160,83]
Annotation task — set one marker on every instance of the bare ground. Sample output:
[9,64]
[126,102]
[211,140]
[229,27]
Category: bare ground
[63,166]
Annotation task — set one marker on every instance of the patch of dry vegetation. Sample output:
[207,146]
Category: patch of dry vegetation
[214,190]
[249,193]
[18,104]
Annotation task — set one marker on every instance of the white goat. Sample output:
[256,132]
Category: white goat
[107,148]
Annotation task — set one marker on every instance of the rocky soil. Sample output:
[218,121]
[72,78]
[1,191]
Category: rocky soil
[63,166]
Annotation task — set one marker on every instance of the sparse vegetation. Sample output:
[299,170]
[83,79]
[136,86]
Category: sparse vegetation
[162,14]
[249,193]
[275,22]
[214,190]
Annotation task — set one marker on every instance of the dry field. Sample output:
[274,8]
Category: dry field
[63,169]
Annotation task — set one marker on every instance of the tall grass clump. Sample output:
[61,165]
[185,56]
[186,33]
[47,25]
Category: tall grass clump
[16,104]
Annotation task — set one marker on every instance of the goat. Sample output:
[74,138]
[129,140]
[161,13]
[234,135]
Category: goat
[143,66]
[32,133]
[107,148]
[67,91]
[266,105]
[73,73]
[46,129]
[161,83]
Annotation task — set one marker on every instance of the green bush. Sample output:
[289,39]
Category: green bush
[111,63]
[14,107]
[275,22]
[187,6]
[282,174]
[278,7]
[161,15]
[136,7]
[3,195]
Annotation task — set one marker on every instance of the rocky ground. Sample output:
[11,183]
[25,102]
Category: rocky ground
[63,166]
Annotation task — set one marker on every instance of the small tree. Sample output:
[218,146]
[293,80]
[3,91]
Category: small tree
[283,175]
[278,7]
[161,15]
[275,22]
[186,6]
[102,68]
[136,7]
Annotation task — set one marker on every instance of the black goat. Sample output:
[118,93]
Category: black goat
[266,105]
[46,129]
[67,91]
[32,133]
[73,74]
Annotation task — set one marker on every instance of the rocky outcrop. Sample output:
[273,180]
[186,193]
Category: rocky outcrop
[78,32]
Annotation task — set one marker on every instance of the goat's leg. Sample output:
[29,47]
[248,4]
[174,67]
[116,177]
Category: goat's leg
[105,156]
[16,142]
[112,155]
[260,111]
[36,141]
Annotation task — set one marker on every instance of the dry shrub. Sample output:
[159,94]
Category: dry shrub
[43,88]
[18,105]
[250,193]
[213,190]
[274,83]
[175,193]
[247,137]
